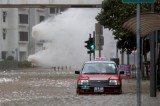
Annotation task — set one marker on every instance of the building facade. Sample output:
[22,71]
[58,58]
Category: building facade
[16,31]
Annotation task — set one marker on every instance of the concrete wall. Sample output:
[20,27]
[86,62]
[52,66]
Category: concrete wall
[46,3]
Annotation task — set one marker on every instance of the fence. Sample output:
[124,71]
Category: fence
[8,65]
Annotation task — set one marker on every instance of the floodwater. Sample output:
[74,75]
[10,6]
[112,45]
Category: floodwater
[48,87]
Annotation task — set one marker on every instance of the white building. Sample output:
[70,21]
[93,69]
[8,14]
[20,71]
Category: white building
[15,31]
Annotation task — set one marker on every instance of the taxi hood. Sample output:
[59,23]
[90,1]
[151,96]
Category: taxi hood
[98,77]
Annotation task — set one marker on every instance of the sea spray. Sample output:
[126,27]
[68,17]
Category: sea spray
[65,35]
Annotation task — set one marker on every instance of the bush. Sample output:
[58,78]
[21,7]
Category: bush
[10,58]
[24,64]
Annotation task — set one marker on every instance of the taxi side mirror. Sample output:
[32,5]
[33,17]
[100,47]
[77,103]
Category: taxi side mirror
[77,72]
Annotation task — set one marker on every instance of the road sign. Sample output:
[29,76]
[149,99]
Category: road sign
[98,29]
[97,43]
[138,1]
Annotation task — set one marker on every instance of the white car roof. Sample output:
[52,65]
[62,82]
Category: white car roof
[100,61]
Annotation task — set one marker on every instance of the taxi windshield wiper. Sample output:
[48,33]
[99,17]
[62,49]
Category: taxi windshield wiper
[91,73]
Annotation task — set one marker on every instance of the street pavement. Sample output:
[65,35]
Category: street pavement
[49,87]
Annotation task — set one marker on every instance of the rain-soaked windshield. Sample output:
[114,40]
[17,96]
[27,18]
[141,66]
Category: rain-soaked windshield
[99,68]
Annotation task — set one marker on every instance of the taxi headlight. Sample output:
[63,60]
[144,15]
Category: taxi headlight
[83,82]
[114,82]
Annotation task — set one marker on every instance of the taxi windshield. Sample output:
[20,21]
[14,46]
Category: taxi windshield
[99,68]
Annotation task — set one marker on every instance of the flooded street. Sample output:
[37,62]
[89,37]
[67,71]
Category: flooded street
[46,87]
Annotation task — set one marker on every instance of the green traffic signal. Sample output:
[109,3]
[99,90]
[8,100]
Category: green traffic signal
[92,47]
[91,44]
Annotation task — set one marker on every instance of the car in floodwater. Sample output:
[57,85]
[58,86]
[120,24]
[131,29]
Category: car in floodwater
[99,77]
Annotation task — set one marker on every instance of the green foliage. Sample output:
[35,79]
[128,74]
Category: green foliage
[9,63]
[127,44]
[157,6]
[113,15]
[24,64]
[10,58]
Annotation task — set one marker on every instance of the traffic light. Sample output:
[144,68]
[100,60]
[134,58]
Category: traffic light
[87,44]
[91,45]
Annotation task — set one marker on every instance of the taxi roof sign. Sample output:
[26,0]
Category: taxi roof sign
[100,59]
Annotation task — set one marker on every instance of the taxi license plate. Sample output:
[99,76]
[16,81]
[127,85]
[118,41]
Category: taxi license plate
[98,89]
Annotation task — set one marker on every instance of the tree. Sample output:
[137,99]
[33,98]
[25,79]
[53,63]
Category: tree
[112,16]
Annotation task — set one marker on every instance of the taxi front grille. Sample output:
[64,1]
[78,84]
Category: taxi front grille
[98,82]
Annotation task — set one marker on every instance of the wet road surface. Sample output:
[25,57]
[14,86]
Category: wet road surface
[46,87]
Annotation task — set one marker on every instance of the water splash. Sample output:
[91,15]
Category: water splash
[65,34]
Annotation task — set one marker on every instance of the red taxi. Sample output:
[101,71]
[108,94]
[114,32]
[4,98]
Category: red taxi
[99,77]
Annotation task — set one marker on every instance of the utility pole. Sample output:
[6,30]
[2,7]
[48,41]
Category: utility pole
[152,62]
[138,56]
[99,39]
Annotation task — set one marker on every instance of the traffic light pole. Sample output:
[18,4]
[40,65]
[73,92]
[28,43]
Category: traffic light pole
[94,43]
[90,56]
[90,53]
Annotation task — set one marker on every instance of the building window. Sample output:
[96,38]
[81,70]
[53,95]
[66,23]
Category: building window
[23,36]
[23,18]
[41,18]
[4,16]
[54,10]
[63,9]
[4,54]
[4,33]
